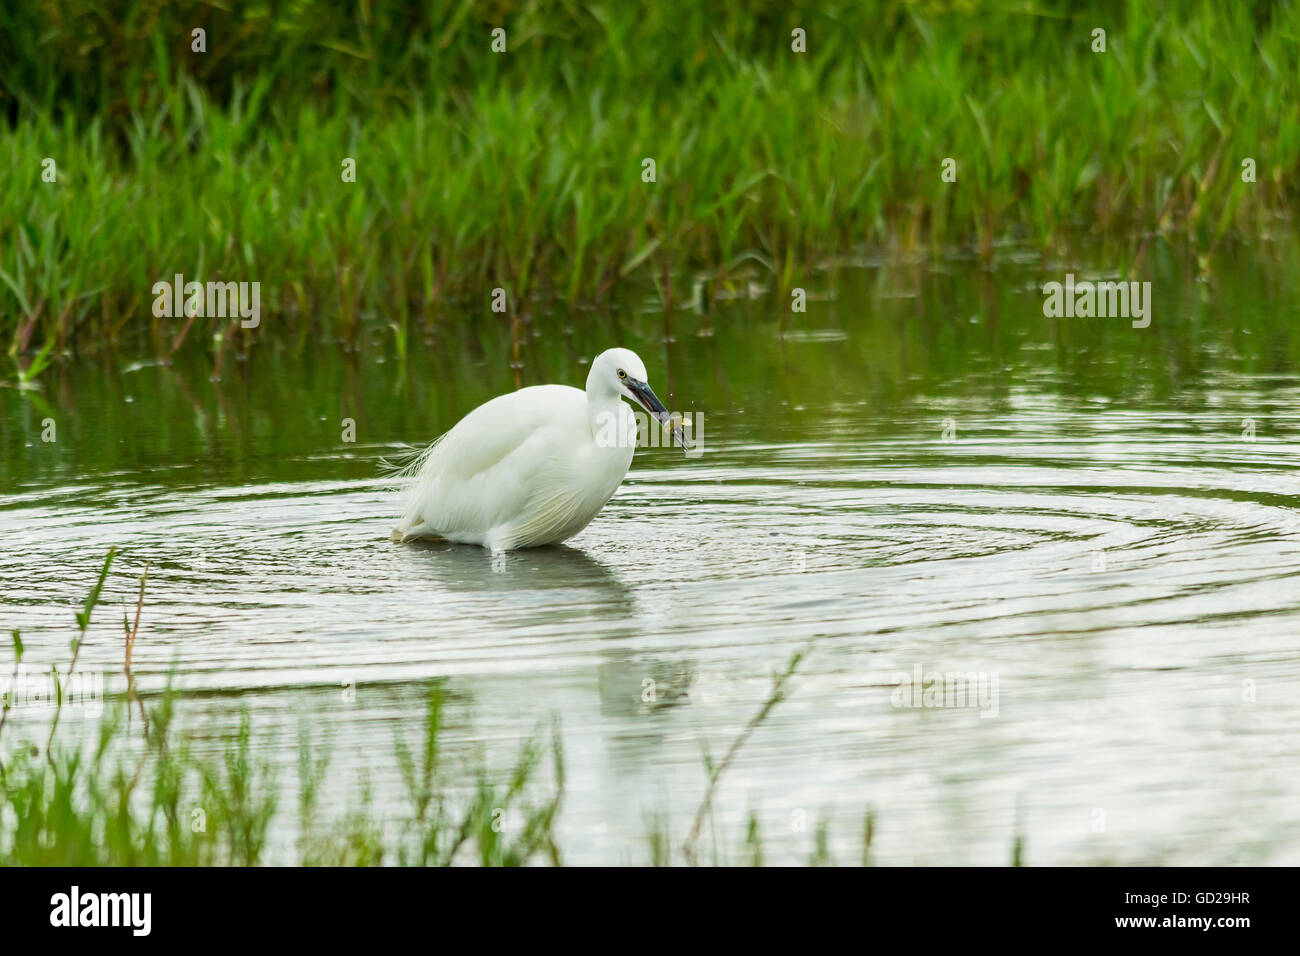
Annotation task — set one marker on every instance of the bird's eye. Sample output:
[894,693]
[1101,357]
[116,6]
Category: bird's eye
[622,374]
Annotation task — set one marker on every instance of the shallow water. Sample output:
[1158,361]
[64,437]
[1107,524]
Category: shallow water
[921,471]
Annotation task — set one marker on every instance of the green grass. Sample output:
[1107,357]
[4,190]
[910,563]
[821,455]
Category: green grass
[139,796]
[522,170]
[117,800]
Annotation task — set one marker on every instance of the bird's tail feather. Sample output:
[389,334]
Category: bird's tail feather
[406,464]
[408,472]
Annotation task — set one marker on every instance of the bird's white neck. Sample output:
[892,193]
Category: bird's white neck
[612,423]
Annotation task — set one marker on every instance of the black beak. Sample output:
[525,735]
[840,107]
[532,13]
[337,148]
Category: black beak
[647,399]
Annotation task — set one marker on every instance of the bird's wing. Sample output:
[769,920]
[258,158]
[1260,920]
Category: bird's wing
[500,428]
[478,474]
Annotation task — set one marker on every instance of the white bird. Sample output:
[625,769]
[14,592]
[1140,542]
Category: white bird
[532,467]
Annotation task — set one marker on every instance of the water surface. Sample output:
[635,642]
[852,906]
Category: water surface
[920,471]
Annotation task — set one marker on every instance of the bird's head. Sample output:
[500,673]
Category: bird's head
[621,372]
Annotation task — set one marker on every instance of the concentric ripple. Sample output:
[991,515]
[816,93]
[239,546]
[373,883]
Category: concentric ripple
[1128,577]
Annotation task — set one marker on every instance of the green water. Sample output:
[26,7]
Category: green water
[922,470]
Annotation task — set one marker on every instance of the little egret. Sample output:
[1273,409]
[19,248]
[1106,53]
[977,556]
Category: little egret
[532,467]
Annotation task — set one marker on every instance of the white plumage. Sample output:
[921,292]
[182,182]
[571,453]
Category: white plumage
[532,467]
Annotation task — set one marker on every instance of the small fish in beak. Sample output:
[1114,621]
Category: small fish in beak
[644,396]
